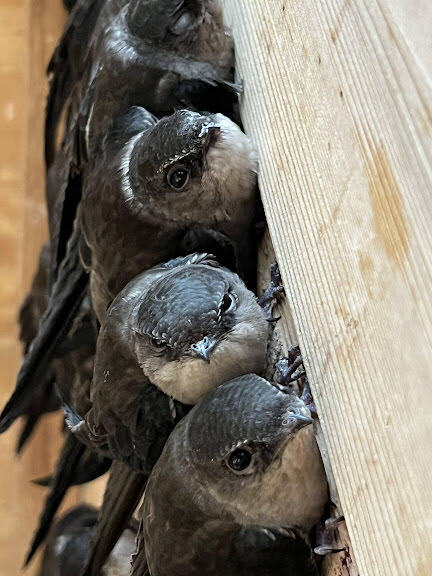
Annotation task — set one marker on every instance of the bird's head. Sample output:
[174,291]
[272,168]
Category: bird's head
[253,448]
[199,326]
[192,167]
[190,27]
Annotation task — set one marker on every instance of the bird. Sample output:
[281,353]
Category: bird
[185,182]
[77,464]
[172,186]
[135,52]
[69,544]
[238,487]
[171,335]
[114,54]
[175,332]
[160,54]
[69,375]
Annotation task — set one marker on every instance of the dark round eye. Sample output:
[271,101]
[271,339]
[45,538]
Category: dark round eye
[158,343]
[178,177]
[239,460]
[228,303]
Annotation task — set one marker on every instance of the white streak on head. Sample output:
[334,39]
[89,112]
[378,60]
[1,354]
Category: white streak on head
[124,168]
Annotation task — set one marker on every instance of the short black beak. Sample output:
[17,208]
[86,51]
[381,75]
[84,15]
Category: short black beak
[299,420]
[204,348]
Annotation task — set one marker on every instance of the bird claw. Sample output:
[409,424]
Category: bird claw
[272,294]
[290,369]
[232,87]
[325,550]
[309,401]
[332,523]
[327,537]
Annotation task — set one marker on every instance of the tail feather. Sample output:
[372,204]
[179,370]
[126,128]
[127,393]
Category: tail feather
[30,423]
[139,562]
[70,457]
[122,495]
[91,466]
[66,297]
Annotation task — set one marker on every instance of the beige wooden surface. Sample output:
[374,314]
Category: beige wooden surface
[283,336]
[28,33]
[338,100]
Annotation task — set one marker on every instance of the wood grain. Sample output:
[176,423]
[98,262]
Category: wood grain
[283,336]
[338,101]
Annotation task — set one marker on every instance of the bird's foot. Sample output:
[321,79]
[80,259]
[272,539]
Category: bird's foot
[309,401]
[233,87]
[272,294]
[290,369]
[325,550]
[327,535]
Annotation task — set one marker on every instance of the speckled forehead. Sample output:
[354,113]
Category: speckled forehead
[183,304]
[248,409]
[177,136]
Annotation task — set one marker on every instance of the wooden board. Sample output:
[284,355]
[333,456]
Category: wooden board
[283,336]
[338,101]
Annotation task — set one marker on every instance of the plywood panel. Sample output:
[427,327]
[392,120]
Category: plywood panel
[339,103]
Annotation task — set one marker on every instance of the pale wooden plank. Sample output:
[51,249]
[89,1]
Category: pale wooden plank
[341,112]
[284,335]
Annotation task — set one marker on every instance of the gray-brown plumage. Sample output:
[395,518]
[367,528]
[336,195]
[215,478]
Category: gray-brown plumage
[121,497]
[182,328]
[160,54]
[160,189]
[239,485]
[164,187]
[69,544]
[45,398]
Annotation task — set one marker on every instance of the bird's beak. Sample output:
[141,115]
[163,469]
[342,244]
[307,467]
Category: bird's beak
[204,348]
[300,421]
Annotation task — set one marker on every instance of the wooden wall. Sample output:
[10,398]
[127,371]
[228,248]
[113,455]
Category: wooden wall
[338,99]
[28,33]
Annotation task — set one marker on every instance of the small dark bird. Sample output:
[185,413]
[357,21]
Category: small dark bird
[69,544]
[239,485]
[114,54]
[161,189]
[182,183]
[177,330]
[160,54]
[182,328]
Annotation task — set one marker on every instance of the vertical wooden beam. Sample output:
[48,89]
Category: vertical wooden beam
[338,101]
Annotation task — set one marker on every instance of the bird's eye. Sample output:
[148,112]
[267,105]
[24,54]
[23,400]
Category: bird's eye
[160,344]
[240,460]
[178,177]
[228,304]
[182,24]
